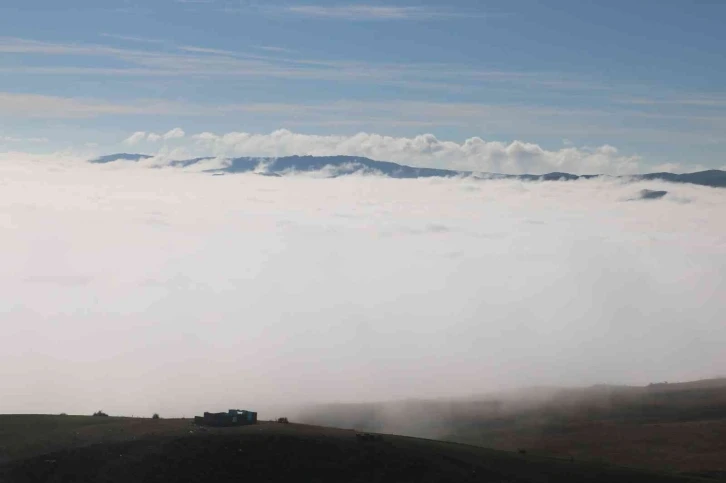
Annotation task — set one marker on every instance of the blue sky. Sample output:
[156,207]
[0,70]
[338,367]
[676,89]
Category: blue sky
[646,77]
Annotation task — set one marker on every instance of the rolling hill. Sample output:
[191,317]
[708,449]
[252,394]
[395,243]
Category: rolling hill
[52,449]
[680,427]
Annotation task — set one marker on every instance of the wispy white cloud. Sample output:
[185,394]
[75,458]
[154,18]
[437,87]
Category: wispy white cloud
[369,12]
[205,50]
[50,107]
[90,71]
[26,46]
[132,38]
[132,10]
[717,101]
[212,62]
[33,105]
[15,139]
[377,116]
[272,48]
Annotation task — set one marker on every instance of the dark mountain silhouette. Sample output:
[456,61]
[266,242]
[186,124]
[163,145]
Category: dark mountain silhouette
[711,177]
[339,165]
[345,165]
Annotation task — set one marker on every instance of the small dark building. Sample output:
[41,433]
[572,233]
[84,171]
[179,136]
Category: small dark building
[233,417]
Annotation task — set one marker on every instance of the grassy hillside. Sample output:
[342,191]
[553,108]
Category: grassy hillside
[132,450]
[678,427]
[28,435]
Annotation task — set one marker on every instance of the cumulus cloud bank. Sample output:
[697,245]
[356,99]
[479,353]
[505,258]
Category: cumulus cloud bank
[474,154]
[135,138]
[140,290]
[175,133]
[141,136]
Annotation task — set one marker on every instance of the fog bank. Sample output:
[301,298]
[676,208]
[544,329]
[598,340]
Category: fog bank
[139,290]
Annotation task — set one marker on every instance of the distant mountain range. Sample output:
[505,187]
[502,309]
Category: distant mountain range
[345,165]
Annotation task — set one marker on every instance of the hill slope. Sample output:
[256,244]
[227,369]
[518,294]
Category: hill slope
[677,427]
[177,451]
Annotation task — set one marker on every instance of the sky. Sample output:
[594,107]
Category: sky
[640,85]
[140,288]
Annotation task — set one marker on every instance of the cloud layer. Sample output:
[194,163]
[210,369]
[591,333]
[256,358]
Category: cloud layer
[142,290]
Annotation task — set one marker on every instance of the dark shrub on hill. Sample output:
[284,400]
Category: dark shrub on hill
[100,414]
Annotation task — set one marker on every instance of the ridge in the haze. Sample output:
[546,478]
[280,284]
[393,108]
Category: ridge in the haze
[120,157]
[345,165]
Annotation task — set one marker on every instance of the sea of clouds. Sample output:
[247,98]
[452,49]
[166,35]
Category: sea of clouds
[138,290]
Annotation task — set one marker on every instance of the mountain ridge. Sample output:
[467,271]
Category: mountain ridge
[347,165]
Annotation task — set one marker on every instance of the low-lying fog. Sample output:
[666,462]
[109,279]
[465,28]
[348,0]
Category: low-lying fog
[138,290]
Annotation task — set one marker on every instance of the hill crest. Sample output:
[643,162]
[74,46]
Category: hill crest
[335,166]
